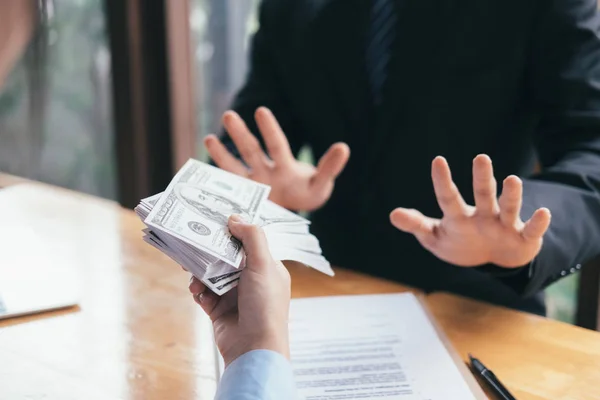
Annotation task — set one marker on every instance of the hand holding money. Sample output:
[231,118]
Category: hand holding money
[189,223]
[295,185]
[258,309]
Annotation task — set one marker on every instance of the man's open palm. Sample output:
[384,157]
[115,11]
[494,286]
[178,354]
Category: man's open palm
[490,232]
[294,185]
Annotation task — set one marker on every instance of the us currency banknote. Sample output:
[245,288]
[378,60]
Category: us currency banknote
[218,276]
[197,203]
[219,281]
[188,223]
[272,214]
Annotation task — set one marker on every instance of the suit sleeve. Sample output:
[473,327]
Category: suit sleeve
[565,85]
[265,84]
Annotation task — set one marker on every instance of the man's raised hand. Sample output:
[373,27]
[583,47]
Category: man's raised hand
[490,232]
[294,185]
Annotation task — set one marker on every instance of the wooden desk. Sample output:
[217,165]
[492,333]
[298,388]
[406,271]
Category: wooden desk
[537,358]
[138,335]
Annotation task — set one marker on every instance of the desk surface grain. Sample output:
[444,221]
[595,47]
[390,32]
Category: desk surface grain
[138,335]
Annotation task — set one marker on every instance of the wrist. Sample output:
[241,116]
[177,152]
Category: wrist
[274,341]
[514,259]
[278,343]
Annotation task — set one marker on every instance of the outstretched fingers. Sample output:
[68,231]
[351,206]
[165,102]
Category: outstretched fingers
[537,225]
[448,197]
[331,165]
[275,140]
[510,201]
[484,186]
[222,157]
[414,222]
[246,143]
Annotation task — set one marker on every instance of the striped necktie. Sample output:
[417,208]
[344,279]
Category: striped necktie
[381,34]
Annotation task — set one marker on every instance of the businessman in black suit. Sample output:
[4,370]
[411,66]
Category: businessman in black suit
[402,81]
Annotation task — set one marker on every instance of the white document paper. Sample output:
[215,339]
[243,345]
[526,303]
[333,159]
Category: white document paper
[370,347]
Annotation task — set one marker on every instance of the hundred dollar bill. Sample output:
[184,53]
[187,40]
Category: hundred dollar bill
[197,203]
[272,214]
[218,284]
[222,286]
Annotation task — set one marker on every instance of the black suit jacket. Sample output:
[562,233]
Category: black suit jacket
[518,80]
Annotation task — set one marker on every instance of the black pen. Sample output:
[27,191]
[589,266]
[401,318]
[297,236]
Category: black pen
[491,379]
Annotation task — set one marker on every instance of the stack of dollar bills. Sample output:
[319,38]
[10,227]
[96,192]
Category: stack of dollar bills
[188,222]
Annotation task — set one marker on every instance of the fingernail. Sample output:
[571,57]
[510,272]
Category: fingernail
[206,301]
[236,218]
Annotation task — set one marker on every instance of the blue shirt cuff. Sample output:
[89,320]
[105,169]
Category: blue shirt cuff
[258,375]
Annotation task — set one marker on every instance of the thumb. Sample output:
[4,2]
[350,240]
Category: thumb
[258,256]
